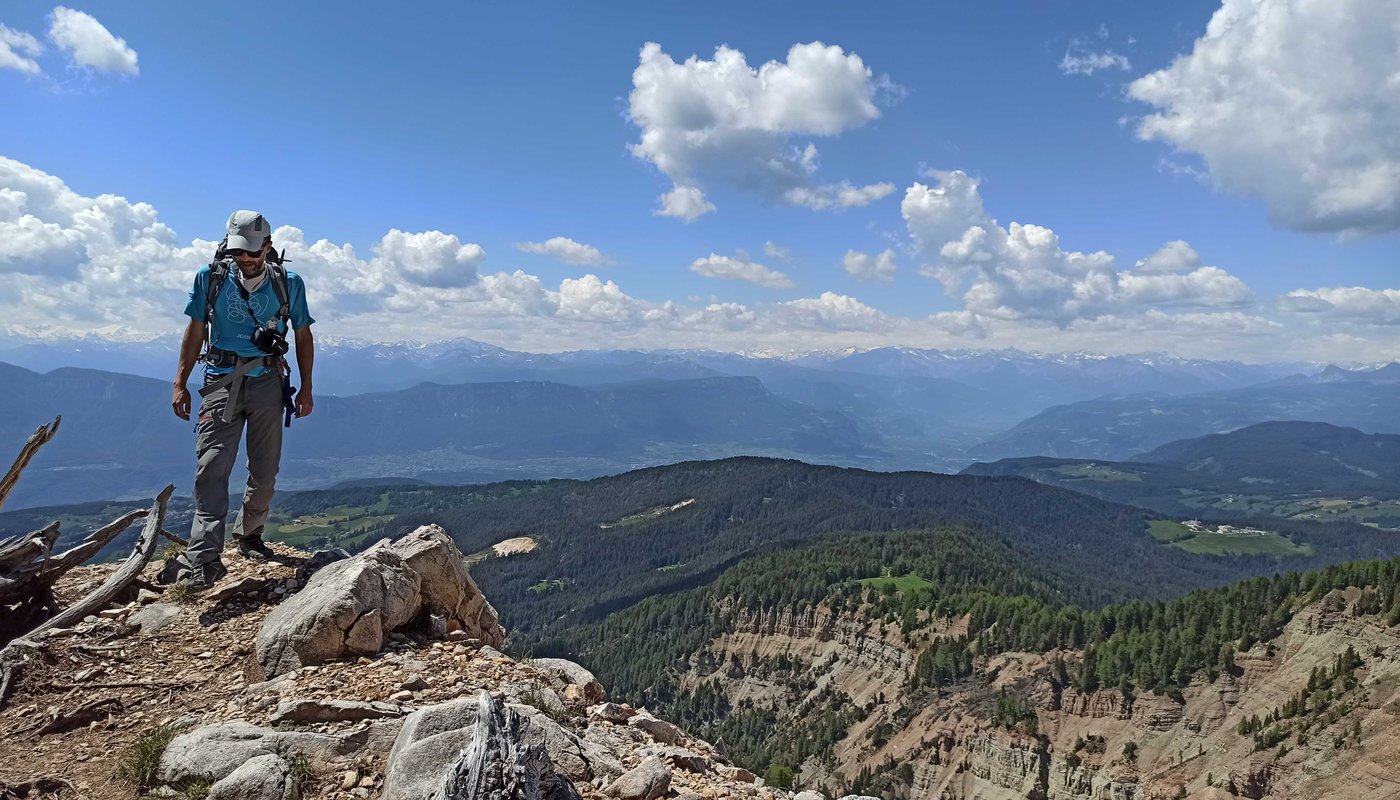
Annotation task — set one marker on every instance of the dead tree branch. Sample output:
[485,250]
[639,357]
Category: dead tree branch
[40,438]
[141,554]
[17,551]
[31,580]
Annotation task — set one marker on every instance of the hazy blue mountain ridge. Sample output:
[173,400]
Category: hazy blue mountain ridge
[1116,428]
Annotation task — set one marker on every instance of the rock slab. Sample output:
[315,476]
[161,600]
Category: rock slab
[447,587]
[213,752]
[266,777]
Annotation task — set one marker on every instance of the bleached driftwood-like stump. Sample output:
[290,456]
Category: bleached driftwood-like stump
[498,765]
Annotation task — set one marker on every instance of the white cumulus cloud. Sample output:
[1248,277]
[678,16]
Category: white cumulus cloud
[837,196]
[1021,272]
[431,258]
[1296,102]
[721,120]
[1346,303]
[89,43]
[740,268]
[106,266]
[18,49]
[1175,256]
[776,251]
[830,311]
[566,250]
[686,203]
[879,268]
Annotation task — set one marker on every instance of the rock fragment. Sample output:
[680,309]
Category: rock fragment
[647,781]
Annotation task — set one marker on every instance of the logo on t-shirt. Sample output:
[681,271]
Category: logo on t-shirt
[237,309]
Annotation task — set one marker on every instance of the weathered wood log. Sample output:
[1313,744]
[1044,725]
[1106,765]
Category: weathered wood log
[140,556]
[31,580]
[17,551]
[141,553]
[40,438]
[498,765]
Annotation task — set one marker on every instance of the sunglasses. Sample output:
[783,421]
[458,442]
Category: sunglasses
[235,252]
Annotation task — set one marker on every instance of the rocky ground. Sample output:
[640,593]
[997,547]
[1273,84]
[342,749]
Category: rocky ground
[383,723]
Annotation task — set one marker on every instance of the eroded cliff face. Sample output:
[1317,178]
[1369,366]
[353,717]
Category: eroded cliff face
[1101,745]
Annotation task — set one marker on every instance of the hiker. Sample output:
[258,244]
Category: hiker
[249,301]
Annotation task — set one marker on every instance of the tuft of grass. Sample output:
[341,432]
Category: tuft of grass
[181,592]
[534,696]
[301,766]
[172,550]
[138,764]
[189,790]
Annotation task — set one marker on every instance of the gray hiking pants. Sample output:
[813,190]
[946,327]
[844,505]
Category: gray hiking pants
[259,409]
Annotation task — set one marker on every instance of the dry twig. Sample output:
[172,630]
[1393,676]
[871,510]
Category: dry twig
[85,714]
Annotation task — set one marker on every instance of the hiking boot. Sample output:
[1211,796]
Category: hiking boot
[254,549]
[203,576]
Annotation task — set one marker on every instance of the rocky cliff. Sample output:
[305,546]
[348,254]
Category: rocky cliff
[1071,745]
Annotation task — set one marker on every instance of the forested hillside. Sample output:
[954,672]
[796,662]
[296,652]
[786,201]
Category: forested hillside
[1297,470]
[954,601]
[614,541]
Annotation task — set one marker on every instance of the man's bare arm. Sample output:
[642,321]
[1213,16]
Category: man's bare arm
[190,345]
[306,358]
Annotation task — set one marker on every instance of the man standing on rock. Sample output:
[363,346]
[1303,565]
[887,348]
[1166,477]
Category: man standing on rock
[244,315]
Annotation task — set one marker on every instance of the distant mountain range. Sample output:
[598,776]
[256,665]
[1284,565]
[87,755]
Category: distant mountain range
[119,439]
[1036,381]
[492,414]
[1116,428]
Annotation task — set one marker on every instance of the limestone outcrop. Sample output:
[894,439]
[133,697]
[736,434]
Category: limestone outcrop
[349,608]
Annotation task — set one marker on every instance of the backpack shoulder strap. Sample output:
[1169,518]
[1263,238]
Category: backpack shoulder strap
[279,285]
[218,275]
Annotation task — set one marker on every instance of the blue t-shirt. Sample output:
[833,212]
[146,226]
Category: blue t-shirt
[233,322]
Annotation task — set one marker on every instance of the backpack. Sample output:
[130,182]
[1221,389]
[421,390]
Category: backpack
[218,275]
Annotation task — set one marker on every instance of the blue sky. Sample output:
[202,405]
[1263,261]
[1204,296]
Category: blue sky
[505,125]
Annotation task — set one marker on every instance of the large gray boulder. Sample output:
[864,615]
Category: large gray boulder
[447,587]
[647,781]
[348,608]
[266,777]
[211,753]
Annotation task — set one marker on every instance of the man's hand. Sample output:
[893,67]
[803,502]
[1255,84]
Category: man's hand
[180,401]
[304,402]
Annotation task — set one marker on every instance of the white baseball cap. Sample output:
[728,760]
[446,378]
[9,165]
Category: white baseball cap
[247,230]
